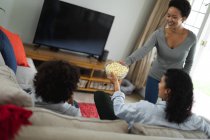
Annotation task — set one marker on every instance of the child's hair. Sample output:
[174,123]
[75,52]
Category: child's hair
[182,5]
[180,100]
[55,81]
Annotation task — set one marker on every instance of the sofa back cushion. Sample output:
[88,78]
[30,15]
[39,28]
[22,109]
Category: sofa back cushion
[66,133]
[44,117]
[149,130]
[10,91]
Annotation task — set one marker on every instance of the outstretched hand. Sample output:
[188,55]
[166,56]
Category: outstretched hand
[122,62]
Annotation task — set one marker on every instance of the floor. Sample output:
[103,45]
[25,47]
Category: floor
[85,97]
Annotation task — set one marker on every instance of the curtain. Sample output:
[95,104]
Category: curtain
[139,71]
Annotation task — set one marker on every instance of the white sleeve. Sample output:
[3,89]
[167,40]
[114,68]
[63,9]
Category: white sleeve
[204,126]
[201,124]
[128,112]
[144,50]
[72,110]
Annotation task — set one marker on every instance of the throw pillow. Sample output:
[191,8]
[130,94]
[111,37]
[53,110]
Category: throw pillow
[7,51]
[11,119]
[88,110]
[10,91]
[17,47]
[150,130]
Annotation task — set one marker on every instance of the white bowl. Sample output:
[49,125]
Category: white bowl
[118,69]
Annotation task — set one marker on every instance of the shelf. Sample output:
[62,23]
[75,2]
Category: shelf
[99,79]
[101,85]
[82,83]
[84,78]
[95,79]
[94,90]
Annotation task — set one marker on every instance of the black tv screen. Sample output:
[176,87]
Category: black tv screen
[66,26]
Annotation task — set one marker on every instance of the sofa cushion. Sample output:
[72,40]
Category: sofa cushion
[44,117]
[17,47]
[68,133]
[149,130]
[10,91]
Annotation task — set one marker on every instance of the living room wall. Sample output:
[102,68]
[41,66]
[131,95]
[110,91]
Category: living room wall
[130,17]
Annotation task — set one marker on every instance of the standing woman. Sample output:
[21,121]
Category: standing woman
[175,47]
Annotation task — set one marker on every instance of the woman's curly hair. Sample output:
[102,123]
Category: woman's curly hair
[55,81]
[180,99]
[182,5]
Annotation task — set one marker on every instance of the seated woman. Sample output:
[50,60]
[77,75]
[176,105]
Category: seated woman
[176,91]
[54,83]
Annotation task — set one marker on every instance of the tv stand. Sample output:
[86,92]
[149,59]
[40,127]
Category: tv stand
[92,56]
[36,47]
[54,49]
[92,77]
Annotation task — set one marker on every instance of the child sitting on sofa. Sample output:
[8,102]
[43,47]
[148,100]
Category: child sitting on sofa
[54,83]
[176,91]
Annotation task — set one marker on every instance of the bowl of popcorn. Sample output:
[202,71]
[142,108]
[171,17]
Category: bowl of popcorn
[118,69]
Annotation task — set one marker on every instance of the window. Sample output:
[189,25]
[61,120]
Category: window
[199,22]
[197,16]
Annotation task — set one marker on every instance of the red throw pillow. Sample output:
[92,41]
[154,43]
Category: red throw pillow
[17,47]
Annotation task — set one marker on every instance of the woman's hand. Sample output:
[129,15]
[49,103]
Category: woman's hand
[71,100]
[115,81]
[122,63]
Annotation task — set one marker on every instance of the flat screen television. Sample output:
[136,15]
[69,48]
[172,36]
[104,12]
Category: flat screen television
[66,26]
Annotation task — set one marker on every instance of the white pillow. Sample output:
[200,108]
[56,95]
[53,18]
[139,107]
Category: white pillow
[10,91]
[25,75]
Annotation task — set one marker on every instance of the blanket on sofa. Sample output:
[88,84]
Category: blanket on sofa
[88,110]
[11,119]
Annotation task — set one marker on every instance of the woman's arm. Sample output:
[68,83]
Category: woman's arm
[142,51]
[189,59]
[129,112]
[201,124]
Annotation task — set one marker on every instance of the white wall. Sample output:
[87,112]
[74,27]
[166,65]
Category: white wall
[130,17]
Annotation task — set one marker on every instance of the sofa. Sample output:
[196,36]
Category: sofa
[50,125]
[47,124]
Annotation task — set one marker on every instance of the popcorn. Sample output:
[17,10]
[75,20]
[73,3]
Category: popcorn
[118,69]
